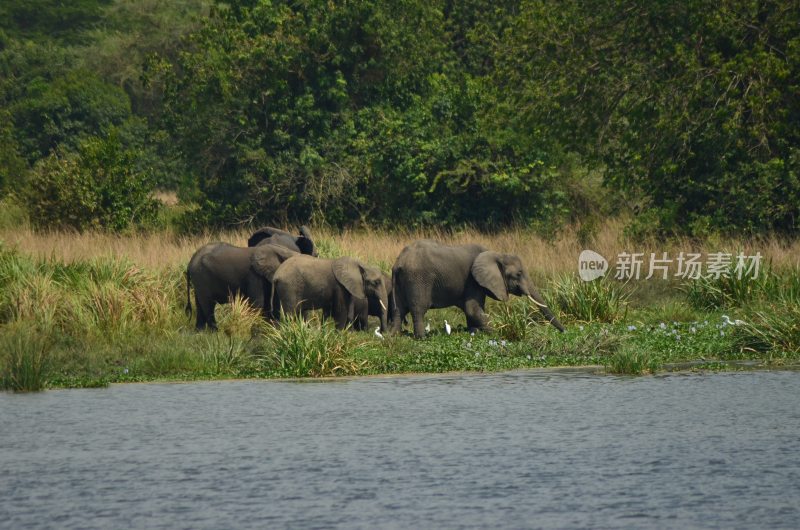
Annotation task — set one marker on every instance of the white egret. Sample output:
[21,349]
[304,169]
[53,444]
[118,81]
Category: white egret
[378,333]
[428,327]
[726,320]
[447,327]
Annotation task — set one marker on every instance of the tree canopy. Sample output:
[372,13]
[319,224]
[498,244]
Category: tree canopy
[416,113]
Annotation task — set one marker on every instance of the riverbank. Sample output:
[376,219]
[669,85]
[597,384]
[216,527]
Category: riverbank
[103,309]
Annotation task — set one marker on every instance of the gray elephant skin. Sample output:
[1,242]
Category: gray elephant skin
[365,308]
[304,283]
[302,243]
[220,271]
[429,275]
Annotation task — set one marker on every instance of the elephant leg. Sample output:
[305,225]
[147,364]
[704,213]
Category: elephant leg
[399,315]
[205,314]
[339,315]
[476,317]
[418,316]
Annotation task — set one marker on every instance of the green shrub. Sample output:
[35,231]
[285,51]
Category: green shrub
[99,187]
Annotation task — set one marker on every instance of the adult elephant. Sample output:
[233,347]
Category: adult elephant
[429,275]
[220,271]
[366,308]
[302,244]
[304,283]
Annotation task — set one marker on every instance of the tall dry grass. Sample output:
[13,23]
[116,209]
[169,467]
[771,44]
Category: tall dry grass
[164,250]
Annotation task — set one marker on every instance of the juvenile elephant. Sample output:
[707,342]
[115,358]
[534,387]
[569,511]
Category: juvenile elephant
[429,275]
[302,244]
[303,283]
[219,271]
[365,309]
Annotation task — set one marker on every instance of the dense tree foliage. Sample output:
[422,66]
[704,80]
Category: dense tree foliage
[99,186]
[412,113]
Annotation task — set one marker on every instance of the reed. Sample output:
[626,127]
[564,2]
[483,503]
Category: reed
[25,358]
[602,300]
[299,348]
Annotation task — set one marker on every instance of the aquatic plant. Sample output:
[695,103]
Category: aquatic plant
[632,360]
[300,348]
[24,358]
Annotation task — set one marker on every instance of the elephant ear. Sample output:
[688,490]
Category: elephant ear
[348,273]
[486,271]
[260,234]
[305,243]
[267,258]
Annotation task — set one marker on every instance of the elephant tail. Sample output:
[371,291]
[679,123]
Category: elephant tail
[274,304]
[188,295]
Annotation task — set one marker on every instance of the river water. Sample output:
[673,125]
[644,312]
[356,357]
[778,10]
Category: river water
[513,450]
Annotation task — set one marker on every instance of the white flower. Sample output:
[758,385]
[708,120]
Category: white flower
[631,328]
[662,326]
[693,329]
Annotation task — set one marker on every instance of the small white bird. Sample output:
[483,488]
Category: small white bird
[428,327]
[378,333]
[728,322]
[447,327]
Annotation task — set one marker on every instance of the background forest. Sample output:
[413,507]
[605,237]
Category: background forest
[403,114]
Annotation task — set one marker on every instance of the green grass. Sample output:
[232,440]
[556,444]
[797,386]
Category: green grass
[110,321]
[737,290]
[296,348]
[774,331]
[25,354]
[632,361]
[603,300]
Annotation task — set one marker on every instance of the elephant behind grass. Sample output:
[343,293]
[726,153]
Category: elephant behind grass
[430,275]
[336,286]
[220,271]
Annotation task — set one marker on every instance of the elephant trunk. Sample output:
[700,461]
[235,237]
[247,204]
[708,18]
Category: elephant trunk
[536,299]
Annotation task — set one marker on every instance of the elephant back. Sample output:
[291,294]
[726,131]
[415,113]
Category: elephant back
[433,274]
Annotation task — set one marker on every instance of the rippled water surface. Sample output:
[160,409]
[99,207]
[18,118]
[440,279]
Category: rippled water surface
[519,450]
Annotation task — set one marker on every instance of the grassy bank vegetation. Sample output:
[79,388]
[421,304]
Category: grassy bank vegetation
[89,309]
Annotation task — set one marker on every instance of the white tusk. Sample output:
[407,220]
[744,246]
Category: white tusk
[535,302]
[383,306]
